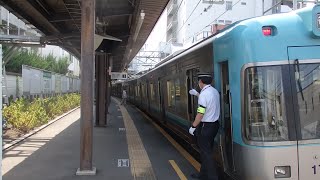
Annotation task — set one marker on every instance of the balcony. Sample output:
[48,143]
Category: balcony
[172,7]
[172,38]
[203,35]
[172,22]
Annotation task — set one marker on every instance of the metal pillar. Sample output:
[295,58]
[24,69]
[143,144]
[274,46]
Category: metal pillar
[87,58]
[101,91]
[108,84]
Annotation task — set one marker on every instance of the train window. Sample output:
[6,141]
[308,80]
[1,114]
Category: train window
[143,91]
[265,105]
[171,94]
[308,95]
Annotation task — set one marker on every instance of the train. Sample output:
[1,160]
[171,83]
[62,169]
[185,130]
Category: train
[267,71]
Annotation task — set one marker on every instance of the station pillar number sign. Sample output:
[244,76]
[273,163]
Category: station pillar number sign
[119,75]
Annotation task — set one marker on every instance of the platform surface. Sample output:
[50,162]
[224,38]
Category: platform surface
[130,147]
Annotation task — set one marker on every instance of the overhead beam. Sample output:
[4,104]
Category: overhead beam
[19,38]
[31,14]
[42,7]
[61,17]
[61,36]
[23,44]
[127,11]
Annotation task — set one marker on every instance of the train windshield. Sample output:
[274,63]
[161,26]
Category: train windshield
[266,102]
[308,96]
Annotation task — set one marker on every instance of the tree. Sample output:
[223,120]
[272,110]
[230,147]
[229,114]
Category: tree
[33,59]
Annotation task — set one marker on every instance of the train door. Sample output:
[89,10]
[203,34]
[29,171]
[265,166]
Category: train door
[161,100]
[192,83]
[140,94]
[305,83]
[148,95]
[226,121]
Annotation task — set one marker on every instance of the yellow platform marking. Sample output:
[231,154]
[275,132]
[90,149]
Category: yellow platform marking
[177,169]
[141,167]
[182,151]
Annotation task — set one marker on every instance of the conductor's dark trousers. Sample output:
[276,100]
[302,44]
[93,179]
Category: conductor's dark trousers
[206,132]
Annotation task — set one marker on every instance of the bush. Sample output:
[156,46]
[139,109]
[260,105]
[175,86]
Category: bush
[25,115]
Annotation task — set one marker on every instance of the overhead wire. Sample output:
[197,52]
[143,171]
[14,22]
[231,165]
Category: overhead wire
[175,13]
[214,20]
[177,31]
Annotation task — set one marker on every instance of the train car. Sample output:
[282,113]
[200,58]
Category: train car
[117,89]
[267,70]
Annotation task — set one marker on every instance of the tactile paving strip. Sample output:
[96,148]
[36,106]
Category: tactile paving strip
[141,167]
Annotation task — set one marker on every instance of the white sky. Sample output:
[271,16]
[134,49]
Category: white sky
[158,34]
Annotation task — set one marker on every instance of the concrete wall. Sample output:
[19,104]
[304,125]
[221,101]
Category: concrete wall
[13,86]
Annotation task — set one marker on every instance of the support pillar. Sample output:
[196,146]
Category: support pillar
[108,84]
[101,92]
[87,61]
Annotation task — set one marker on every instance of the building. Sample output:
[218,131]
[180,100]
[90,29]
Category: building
[11,25]
[191,21]
[58,52]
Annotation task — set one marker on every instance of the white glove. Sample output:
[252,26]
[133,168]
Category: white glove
[194,92]
[191,130]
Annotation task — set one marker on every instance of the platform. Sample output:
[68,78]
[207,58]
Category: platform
[130,147]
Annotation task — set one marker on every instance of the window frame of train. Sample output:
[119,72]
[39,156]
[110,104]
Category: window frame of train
[171,102]
[290,98]
[192,100]
[152,93]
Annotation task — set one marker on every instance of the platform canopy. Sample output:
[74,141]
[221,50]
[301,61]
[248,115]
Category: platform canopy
[126,24]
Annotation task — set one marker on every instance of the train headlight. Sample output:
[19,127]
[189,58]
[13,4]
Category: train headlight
[282,172]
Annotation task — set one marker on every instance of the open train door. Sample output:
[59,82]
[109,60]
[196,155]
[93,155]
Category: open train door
[192,83]
[226,121]
[305,80]
[161,100]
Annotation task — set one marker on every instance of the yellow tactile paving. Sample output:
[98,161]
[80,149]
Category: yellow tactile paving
[141,167]
[182,151]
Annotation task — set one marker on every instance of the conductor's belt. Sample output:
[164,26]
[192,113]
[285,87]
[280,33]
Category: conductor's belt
[201,110]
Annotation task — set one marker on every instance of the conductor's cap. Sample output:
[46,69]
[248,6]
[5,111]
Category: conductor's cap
[201,75]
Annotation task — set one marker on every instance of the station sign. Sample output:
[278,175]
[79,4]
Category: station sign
[119,75]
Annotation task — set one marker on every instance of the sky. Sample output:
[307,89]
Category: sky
[158,33]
